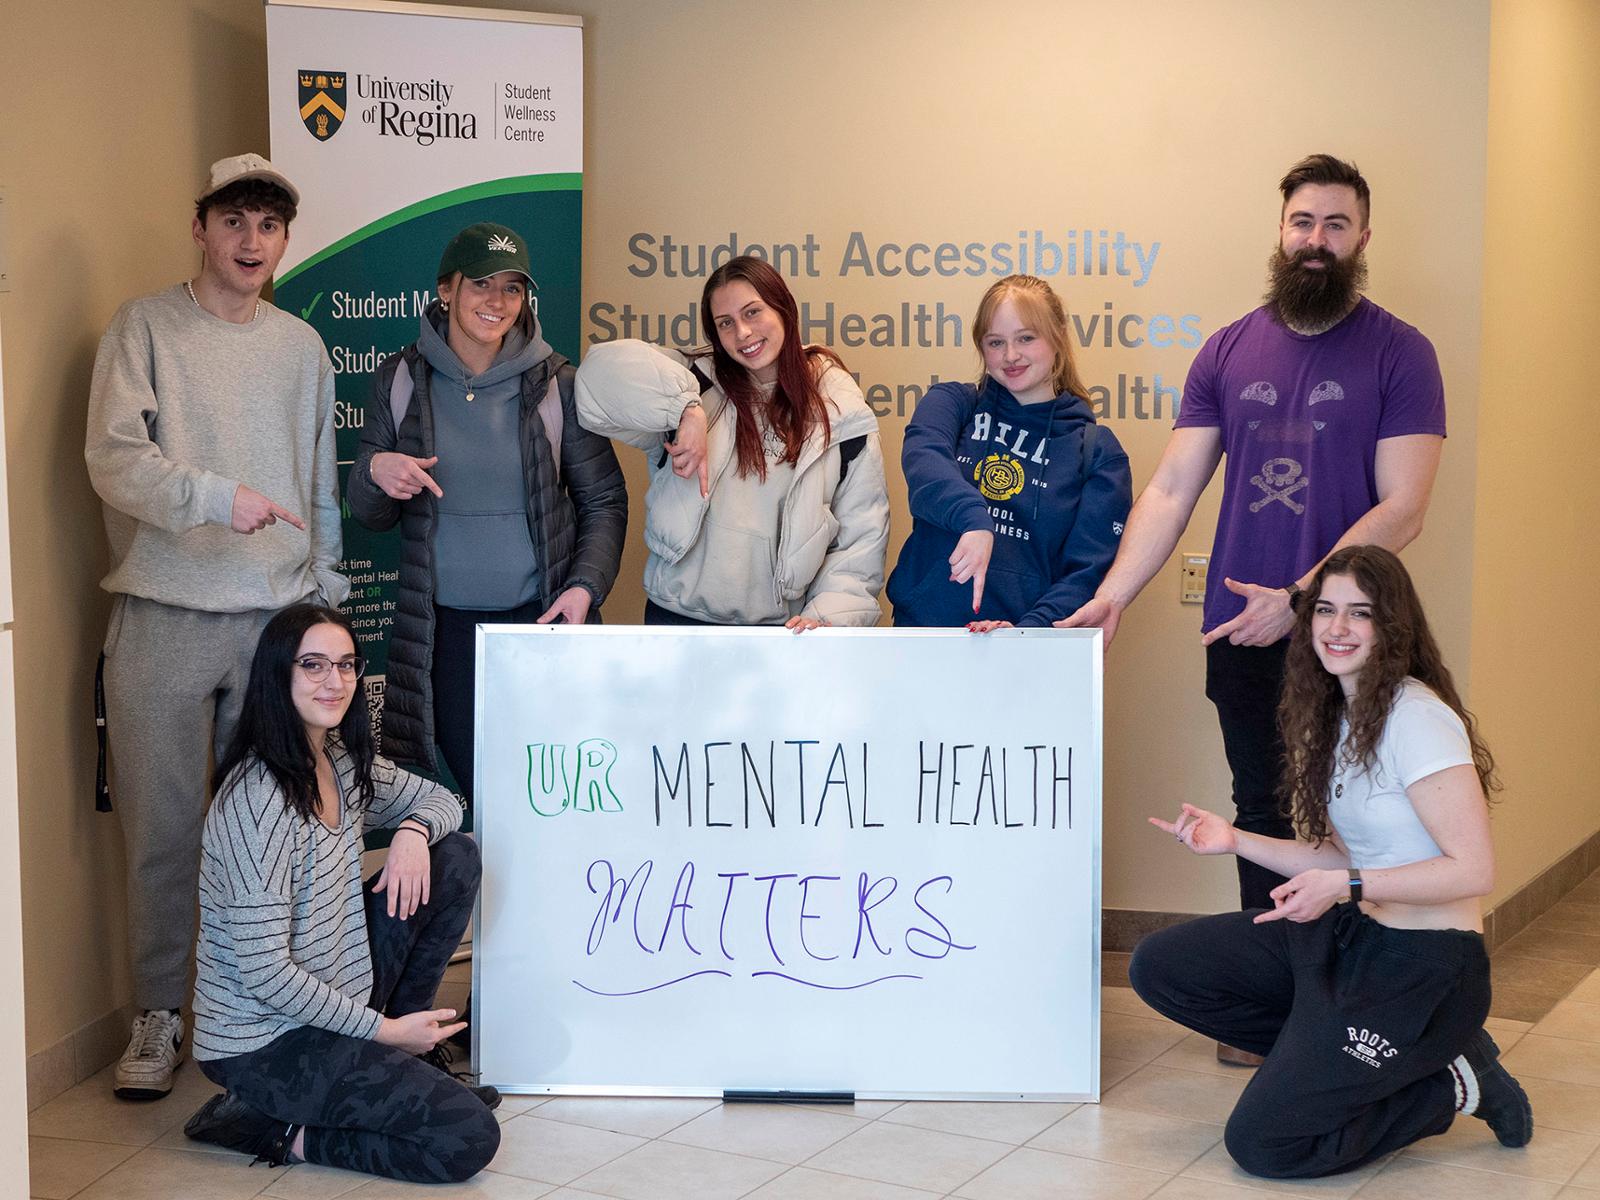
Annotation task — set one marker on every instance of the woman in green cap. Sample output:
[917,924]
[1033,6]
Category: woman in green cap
[509,511]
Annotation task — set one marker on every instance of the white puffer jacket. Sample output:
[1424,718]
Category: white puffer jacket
[828,562]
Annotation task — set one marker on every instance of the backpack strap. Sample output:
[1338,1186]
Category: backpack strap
[553,417]
[401,389]
[848,450]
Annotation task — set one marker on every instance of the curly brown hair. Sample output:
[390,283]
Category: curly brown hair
[1313,708]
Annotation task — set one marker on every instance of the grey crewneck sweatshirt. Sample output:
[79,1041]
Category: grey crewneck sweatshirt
[183,408]
[483,551]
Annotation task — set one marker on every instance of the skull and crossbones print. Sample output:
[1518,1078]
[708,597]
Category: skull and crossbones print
[1279,479]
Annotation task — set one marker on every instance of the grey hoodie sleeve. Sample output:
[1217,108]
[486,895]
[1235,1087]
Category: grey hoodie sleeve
[126,466]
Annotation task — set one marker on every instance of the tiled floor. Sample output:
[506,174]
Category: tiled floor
[1156,1133]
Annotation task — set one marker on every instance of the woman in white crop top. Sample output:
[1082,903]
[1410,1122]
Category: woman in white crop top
[1366,985]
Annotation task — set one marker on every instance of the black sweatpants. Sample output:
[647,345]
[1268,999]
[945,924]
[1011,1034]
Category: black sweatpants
[1244,683]
[1358,1023]
[374,1108]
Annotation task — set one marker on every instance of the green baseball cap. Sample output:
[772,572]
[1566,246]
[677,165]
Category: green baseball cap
[486,249]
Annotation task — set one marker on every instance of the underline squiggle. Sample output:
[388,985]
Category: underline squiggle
[653,987]
[832,987]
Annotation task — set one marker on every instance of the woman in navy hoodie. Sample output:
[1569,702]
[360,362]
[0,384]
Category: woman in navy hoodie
[1017,497]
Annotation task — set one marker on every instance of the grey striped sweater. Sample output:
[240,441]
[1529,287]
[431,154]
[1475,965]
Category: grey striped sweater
[283,930]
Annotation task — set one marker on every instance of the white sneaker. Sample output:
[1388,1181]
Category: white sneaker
[154,1051]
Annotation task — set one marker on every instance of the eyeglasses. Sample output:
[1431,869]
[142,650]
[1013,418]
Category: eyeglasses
[317,666]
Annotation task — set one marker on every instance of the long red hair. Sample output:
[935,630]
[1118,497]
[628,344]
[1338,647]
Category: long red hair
[797,406]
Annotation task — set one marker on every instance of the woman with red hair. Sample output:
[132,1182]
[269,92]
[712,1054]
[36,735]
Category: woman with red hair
[767,503]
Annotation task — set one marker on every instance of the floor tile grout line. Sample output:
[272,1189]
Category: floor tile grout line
[1444,1162]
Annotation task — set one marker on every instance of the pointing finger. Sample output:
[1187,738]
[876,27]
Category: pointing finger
[277,510]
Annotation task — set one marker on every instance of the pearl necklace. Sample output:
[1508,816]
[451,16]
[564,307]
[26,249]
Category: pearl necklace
[189,287]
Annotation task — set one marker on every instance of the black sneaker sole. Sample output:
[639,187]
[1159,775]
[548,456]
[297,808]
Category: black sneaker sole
[140,1094]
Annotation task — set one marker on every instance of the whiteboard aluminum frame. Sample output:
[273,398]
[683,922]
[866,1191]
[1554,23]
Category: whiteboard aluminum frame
[646,1091]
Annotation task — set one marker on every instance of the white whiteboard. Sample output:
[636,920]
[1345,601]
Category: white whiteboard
[668,909]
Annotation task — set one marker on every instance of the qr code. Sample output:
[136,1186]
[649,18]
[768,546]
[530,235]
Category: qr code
[375,706]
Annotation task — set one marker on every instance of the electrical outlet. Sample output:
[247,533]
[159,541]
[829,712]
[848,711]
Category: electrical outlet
[1192,570]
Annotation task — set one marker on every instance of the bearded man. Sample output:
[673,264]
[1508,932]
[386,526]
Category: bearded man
[1331,414]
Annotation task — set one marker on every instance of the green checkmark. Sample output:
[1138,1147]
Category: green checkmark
[305,313]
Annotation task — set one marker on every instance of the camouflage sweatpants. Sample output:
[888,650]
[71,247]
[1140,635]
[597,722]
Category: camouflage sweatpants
[373,1108]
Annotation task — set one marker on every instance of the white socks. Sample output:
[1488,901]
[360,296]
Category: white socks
[1466,1080]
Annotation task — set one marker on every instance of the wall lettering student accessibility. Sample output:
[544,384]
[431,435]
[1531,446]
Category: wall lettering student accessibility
[729,860]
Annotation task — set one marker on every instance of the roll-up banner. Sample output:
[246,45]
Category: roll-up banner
[401,124]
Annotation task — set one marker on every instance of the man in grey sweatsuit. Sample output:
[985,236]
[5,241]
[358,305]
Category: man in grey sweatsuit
[211,442]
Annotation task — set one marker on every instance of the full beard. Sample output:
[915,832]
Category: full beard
[1304,298]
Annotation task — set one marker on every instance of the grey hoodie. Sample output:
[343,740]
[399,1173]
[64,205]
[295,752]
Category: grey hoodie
[483,556]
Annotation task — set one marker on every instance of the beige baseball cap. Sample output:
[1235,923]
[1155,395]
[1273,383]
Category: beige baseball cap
[245,166]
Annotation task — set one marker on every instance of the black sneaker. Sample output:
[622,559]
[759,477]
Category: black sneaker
[441,1059]
[227,1121]
[1502,1104]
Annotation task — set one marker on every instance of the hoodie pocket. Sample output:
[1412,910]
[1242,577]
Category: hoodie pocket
[936,602]
[730,575]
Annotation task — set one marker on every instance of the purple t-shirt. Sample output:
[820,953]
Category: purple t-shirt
[1301,418]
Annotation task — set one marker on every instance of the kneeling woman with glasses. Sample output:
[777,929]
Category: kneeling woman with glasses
[312,1004]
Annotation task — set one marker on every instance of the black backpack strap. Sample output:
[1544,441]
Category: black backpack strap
[102,788]
[848,449]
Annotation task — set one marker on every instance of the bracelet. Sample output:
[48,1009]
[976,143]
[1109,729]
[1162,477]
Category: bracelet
[1355,886]
[413,827]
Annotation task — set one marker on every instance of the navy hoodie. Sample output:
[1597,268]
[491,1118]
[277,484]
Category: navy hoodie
[1052,484]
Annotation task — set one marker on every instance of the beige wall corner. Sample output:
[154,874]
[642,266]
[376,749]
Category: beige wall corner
[101,173]
[1535,569]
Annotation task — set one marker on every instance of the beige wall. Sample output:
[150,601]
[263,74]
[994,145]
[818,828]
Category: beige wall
[958,122]
[112,113]
[1535,573]
[905,121]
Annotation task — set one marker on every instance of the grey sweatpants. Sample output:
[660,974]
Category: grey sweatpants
[174,681]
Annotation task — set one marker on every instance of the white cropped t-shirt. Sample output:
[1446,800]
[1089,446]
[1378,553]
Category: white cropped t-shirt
[1369,807]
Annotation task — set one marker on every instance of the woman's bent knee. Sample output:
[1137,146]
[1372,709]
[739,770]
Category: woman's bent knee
[458,859]
[480,1145]
[1251,1146]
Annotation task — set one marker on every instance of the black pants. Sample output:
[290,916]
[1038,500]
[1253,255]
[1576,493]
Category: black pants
[654,614]
[455,681]
[1358,1023]
[373,1108]
[1244,683]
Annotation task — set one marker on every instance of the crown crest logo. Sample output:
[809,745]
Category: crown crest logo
[501,242]
[305,80]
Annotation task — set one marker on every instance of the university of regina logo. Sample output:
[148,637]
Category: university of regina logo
[999,477]
[322,98]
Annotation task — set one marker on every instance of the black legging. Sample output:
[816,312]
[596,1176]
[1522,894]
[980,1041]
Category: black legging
[374,1108]
[455,678]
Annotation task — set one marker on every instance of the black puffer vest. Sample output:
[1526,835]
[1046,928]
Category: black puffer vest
[578,522]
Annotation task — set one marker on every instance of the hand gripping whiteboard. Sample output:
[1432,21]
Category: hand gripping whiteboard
[850,860]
